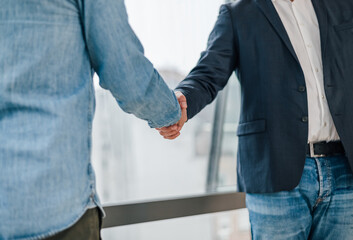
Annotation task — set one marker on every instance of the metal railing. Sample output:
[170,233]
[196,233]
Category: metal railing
[142,212]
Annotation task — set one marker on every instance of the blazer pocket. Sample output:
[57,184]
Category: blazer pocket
[251,127]
[344,26]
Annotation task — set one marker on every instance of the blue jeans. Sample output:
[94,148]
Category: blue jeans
[320,207]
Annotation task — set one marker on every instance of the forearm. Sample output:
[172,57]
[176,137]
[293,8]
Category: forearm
[214,68]
[117,56]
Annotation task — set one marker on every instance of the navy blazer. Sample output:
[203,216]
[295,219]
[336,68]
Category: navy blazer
[250,39]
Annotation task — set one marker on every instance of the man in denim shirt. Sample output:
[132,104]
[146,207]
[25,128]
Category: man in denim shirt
[49,51]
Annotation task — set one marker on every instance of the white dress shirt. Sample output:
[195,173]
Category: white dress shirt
[300,21]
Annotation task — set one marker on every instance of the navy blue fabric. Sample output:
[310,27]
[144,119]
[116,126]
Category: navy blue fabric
[250,39]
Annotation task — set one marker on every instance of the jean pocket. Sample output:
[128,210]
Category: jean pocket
[252,127]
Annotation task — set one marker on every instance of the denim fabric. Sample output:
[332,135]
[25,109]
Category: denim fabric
[319,208]
[49,50]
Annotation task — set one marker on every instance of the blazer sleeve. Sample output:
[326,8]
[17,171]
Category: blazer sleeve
[214,67]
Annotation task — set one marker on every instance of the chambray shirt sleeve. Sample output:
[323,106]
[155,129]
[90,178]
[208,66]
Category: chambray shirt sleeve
[117,56]
[214,67]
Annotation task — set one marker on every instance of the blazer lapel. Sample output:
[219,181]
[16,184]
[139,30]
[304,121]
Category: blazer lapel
[321,14]
[271,14]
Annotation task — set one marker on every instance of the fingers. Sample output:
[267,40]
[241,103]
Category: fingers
[170,135]
[173,136]
[174,127]
[172,132]
[183,118]
[181,99]
[168,132]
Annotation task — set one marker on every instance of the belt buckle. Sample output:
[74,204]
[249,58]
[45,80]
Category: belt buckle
[312,152]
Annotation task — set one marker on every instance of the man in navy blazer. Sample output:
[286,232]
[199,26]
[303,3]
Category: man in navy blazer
[294,61]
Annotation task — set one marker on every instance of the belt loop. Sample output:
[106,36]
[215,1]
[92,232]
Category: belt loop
[311,145]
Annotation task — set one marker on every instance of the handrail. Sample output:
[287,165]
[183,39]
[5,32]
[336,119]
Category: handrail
[142,212]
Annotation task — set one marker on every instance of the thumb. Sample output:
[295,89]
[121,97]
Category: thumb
[181,99]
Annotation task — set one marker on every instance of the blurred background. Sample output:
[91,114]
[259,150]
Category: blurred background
[134,163]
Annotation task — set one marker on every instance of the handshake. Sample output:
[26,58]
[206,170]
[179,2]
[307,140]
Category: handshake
[173,131]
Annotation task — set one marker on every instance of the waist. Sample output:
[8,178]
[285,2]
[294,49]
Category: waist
[325,149]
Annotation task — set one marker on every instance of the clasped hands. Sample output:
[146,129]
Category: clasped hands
[173,131]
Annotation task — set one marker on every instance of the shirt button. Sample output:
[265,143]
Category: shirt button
[325,124]
[316,70]
[322,96]
[309,45]
[304,119]
[301,88]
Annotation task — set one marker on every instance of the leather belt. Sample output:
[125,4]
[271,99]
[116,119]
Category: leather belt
[324,149]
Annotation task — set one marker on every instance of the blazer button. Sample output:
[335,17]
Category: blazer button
[304,119]
[301,88]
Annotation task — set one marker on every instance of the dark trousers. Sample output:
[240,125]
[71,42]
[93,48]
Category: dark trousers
[87,228]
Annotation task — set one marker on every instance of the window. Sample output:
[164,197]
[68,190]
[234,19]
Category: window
[133,163]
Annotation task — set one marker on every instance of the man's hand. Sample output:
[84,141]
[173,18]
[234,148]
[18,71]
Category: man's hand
[173,131]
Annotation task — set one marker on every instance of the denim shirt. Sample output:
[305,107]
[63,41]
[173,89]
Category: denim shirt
[49,50]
